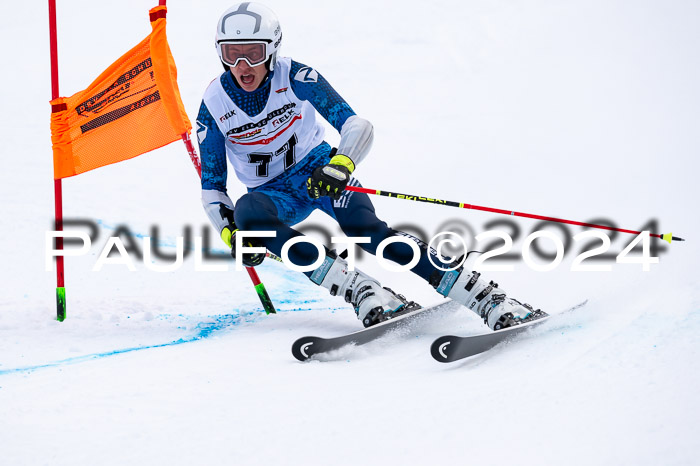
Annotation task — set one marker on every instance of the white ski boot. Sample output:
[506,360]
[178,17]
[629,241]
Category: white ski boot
[373,304]
[487,300]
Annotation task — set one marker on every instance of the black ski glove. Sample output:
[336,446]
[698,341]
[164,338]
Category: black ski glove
[228,234]
[331,179]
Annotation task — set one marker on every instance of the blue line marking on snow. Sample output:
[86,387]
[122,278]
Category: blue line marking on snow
[204,330]
[89,357]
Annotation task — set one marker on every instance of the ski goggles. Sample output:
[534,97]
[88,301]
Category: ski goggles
[253,53]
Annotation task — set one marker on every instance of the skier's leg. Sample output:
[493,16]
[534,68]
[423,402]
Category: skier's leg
[258,211]
[486,299]
[356,216]
[372,303]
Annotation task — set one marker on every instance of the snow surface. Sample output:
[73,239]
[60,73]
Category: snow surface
[575,109]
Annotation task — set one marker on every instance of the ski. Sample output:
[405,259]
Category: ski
[451,348]
[306,347]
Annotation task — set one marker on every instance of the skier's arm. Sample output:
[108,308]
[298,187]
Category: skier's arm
[356,134]
[213,157]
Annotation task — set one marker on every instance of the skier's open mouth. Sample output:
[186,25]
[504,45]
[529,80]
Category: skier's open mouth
[247,78]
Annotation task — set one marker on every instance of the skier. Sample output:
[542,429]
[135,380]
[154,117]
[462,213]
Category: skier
[260,113]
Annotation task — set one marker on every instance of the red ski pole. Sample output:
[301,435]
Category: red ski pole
[410,197]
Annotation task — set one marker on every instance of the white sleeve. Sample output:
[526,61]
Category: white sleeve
[211,200]
[356,137]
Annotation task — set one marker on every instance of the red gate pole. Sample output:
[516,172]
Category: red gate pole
[257,283]
[58,189]
[259,286]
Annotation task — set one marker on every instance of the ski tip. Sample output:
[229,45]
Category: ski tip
[441,349]
[303,348]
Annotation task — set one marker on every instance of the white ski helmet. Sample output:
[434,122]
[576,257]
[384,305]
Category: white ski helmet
[248,31]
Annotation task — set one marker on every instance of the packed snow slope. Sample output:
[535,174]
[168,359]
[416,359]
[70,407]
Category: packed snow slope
[579,109]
